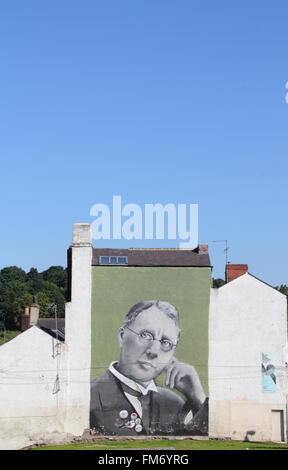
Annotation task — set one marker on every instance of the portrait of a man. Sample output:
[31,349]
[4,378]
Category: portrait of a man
[125,399]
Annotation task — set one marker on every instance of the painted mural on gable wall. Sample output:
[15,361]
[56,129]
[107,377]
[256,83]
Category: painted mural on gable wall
[269,380]
[150,357]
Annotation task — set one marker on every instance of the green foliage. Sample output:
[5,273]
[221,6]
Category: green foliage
[283,289]
[12,273]
[178,444]
[44,303]
[14,296]
[18,290]
[57,275]
[218,282]
[33,275]
[7,335]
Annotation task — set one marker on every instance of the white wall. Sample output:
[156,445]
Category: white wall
[30,405]
[78,332]
[247,318]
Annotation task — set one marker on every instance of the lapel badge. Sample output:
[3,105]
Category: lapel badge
[130,424]
[123,414]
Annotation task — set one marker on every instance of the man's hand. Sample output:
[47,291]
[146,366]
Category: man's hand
[185,379]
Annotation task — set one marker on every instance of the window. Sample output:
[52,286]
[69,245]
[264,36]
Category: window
[113,260]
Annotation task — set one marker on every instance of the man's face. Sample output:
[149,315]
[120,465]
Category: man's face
[144,362]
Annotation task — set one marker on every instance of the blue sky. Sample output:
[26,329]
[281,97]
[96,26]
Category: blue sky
[156,101]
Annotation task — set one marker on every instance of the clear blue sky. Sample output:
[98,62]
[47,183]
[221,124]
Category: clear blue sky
[158,101]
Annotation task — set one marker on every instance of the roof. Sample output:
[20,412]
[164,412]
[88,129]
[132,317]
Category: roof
[227,284]
[49,326]
[172,257]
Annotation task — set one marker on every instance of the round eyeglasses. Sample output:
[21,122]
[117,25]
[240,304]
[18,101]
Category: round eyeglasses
[147,338]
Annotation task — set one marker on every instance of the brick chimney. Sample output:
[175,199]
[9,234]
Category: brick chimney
[24,321]
[30,317]
[235,270]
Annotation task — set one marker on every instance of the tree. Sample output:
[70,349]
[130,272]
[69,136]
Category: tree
[47,292]
[283,288]
[18,290]
[12,273]
[57,275]
[33,275]
[14,297]
[218,282]
[44,303]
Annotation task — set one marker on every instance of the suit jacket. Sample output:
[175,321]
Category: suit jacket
[164,414]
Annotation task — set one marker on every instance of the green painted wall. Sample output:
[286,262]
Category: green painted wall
[116,289]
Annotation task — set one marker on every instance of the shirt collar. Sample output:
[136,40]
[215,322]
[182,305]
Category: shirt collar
[131,383]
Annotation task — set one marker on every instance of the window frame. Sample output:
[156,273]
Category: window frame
[118,263]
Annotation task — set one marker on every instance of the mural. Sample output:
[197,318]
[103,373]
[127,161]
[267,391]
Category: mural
[269,383]
[148,386]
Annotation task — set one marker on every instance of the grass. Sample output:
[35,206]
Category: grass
[175,444]
[8,335]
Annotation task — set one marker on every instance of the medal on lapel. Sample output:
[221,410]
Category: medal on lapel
[123,414]
[133,422]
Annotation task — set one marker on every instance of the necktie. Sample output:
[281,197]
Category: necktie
[145,403]
[129,390]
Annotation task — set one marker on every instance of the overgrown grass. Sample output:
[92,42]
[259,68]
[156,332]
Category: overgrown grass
[8,335]
[175,444]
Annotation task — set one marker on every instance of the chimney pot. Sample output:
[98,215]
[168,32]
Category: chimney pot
[82,234]
[235,270]
[202,248]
